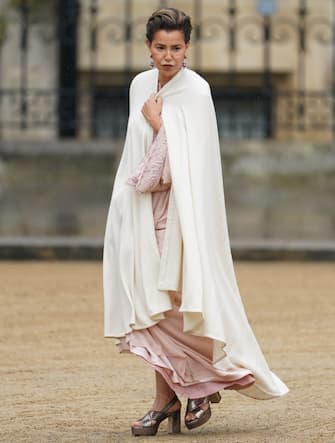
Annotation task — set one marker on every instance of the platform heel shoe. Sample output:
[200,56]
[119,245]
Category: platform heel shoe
[195,406]
[215,398]
[152,419]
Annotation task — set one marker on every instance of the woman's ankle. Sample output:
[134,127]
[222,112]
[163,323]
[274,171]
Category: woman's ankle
[162,400]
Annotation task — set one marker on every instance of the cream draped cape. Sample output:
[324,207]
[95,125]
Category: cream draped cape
[196,256]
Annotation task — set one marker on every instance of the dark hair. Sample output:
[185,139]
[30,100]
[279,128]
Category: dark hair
[169,19]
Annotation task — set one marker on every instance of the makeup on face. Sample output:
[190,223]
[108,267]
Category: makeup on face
[168,50]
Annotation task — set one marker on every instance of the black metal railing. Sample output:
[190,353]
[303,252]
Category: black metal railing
[262,108]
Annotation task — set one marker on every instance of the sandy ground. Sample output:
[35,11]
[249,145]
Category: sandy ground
[61,381]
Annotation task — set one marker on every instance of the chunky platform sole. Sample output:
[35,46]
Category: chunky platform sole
[173,426]
[152,419]
[199,421]
[206,415]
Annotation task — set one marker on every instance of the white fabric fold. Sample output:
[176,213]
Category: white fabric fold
[136,280]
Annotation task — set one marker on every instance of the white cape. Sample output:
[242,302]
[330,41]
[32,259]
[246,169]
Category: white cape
[196,256]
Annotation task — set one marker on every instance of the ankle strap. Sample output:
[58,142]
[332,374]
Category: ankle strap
[170,404]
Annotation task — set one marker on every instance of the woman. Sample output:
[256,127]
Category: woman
[170,291]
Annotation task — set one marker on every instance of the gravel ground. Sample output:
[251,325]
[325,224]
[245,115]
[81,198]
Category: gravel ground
[61,381]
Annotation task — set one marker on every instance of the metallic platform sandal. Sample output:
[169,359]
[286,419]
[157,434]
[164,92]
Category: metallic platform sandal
[201,415]
[151,420]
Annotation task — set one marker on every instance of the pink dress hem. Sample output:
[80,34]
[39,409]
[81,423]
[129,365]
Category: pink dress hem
[184,360]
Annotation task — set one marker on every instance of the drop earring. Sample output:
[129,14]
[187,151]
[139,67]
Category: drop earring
[184,65]
[151,64]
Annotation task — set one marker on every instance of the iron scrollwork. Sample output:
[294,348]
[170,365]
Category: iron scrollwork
[295,109]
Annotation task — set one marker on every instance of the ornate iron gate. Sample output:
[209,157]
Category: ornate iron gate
[259,109]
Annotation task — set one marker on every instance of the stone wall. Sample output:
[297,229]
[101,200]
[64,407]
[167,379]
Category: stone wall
[273,190]
[280,190]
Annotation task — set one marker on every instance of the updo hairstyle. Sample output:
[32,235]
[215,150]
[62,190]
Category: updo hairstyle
[169,19]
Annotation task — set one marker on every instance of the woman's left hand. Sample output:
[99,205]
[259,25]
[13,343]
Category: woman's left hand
[152,110]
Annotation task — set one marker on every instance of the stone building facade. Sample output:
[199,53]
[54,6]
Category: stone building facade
[270,64]
[65,67]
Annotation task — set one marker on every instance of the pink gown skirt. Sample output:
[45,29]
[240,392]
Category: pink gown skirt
[184,360]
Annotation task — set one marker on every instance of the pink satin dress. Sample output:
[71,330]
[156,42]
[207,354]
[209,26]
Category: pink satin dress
[184,360]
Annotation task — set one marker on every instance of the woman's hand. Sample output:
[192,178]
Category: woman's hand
[152,110]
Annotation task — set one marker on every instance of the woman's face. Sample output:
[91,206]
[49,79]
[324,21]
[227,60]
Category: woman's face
[168,50]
